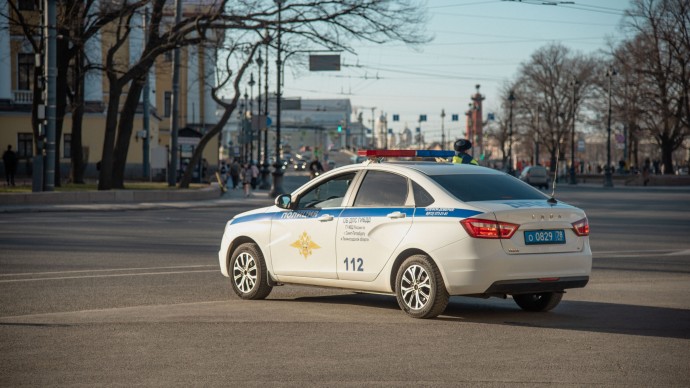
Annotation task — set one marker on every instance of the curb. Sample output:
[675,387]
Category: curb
[117,200]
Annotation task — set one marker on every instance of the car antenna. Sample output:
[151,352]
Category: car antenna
[553,200]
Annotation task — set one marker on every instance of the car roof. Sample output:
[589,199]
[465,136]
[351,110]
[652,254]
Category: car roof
[436,168]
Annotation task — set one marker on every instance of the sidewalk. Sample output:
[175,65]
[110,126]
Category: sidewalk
[119,200]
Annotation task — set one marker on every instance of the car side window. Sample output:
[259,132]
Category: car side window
[380,188]
[327,194]
[422,198]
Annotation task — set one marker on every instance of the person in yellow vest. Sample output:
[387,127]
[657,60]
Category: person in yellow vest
[461,155]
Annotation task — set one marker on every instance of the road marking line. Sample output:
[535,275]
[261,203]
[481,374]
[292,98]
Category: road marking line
[628,254]
[636,251]
[680,253]
[104,276]
[106,270]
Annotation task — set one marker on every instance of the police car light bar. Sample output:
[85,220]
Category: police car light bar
[406,153]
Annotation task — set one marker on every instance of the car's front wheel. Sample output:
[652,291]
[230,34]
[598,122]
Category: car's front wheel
[248,273]
[419,288]
[543,301]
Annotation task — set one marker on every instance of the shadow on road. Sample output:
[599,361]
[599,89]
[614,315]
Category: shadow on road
[569,315]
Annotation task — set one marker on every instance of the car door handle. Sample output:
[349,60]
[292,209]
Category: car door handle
[396,215]
[325,217]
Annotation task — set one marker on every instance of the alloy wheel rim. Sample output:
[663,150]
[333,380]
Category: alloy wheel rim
[244,272]
[415,287]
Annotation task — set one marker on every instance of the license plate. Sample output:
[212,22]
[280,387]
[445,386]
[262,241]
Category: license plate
[544,237]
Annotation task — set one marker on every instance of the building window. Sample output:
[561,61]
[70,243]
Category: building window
[25,71]
[27,5]
[167,104]
[25,145]
[67,146]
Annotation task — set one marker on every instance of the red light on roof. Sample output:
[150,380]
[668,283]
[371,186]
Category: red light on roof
[406,153]
[387,153]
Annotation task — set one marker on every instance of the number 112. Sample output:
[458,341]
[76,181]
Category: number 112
[350,262]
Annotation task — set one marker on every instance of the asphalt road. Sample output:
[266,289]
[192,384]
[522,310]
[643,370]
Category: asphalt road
[136,298]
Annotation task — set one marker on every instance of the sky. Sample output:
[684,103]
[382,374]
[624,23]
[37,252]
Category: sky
[474,42]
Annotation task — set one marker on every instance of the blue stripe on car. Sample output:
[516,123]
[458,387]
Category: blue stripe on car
[445,212]
[359,212]
[252,217]
[375,211]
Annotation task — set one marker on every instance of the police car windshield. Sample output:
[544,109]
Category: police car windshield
[486,187]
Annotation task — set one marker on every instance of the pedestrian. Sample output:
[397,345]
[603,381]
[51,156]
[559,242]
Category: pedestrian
[9,159]
[204,170]
[246,174]
[255,175]
[461,155]
[235,173]
[223,173]
[315,168]
[646,169]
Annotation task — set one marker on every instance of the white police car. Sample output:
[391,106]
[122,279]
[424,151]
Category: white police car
[420,230]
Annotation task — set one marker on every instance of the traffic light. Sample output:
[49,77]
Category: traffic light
[340,128]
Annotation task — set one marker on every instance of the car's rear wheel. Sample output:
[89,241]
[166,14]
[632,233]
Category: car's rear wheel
[419,288]
[543,301]
[248,273]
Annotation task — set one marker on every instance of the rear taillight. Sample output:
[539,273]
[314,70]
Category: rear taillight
[581,228]
[479,228]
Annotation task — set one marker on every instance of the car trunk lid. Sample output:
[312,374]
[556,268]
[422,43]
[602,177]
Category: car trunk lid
[543,227]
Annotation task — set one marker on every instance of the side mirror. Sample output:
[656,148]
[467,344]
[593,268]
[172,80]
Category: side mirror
[283,201]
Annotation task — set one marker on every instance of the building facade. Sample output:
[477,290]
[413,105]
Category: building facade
[197,108]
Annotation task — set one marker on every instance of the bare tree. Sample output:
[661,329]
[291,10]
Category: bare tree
[160,38]
[557,81]
[659,56]
[309,24]
[77,21]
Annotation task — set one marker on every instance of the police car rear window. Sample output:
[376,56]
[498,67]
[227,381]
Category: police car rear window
[486,187]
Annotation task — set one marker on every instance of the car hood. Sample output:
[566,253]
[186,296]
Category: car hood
[251,214]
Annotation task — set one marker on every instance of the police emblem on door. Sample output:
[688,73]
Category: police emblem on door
[305,245]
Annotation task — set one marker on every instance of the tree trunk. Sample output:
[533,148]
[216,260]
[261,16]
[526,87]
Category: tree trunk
[667,155]
[198,151]
[554,161]
[105,176]
[124,132]
[61,102]
[77,155]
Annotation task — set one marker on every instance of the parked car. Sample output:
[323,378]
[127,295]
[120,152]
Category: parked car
[421,231]
[536,176]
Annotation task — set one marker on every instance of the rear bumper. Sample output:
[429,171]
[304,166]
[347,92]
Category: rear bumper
[484,267]
[528,286]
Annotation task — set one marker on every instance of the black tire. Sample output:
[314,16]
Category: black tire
[248,274]
[419,288]
[543,301]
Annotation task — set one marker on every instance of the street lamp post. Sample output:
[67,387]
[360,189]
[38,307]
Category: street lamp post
[608,180]
[573,180]
[277,188]
[259,62]
[265,171]
[245,129]
[175,119]
[472,125]
[536,142]
[443,129]
[240,131]
[511,99]
[250,117]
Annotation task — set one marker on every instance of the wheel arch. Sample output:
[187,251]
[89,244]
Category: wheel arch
[399,260]
[236,243]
